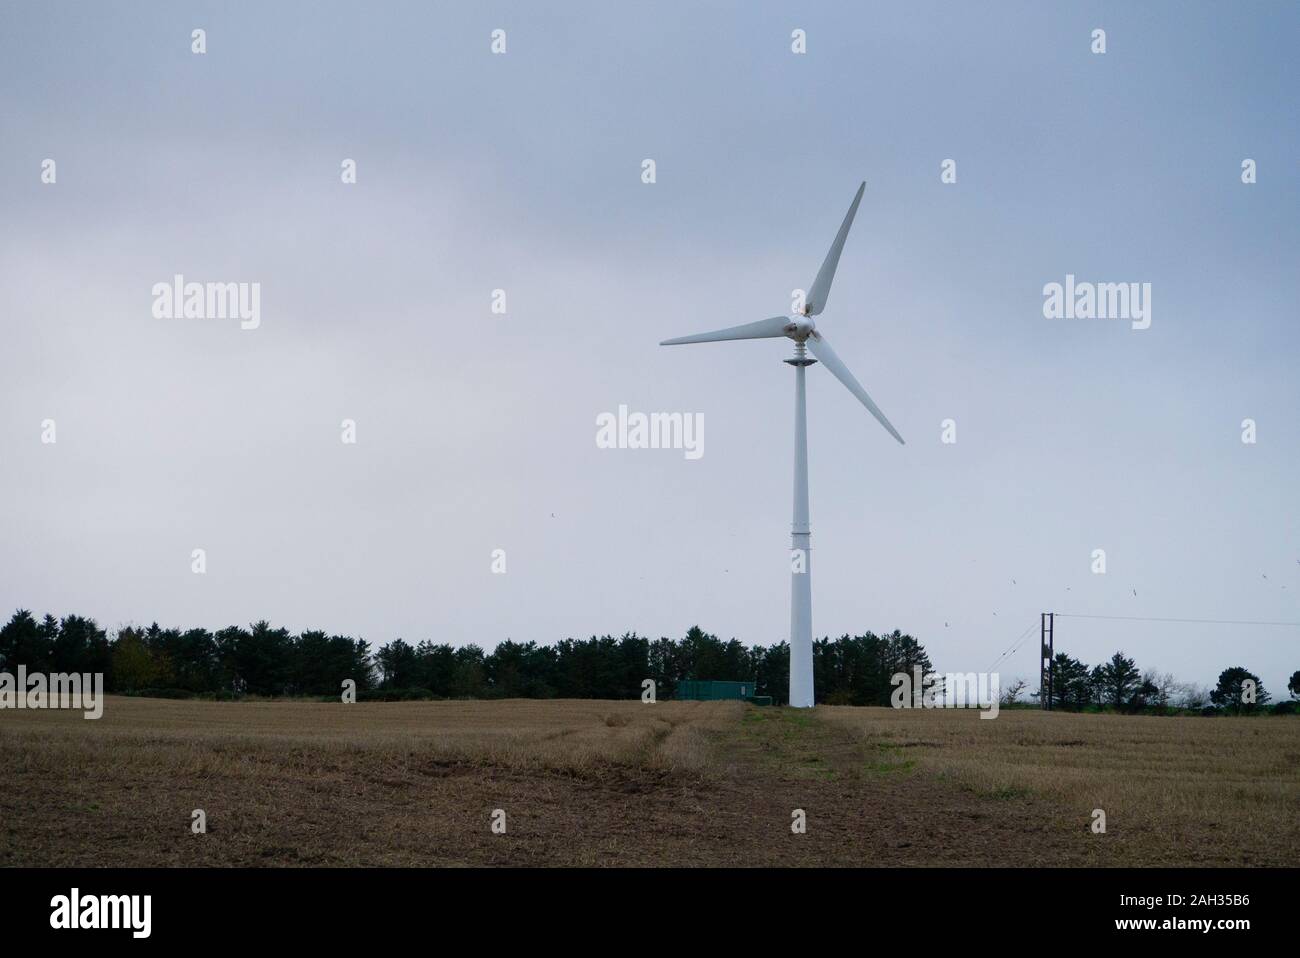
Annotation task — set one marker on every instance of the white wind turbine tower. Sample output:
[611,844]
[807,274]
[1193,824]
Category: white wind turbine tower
[807,337]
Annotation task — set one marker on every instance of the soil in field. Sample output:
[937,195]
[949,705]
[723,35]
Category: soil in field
[618,783]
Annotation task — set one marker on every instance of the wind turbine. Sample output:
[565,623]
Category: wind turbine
[807,337]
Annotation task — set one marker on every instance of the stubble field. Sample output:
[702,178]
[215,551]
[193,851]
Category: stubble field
[622,783]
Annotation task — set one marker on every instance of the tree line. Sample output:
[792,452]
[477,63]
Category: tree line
[259,660]
[1118,683]
[268,661]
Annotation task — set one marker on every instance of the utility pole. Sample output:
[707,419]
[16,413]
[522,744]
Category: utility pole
[1046,670]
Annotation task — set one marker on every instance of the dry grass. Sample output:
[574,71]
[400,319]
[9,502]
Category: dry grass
[323,783]
[208,738]
[1173,789]
[621,783]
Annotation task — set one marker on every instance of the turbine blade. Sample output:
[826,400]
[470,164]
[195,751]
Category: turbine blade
[821,287]
[763,329]
[820,348]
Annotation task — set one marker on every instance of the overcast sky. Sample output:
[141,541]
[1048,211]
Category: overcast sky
[523,172]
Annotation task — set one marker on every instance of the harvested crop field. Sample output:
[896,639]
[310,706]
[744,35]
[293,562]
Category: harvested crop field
[622,783]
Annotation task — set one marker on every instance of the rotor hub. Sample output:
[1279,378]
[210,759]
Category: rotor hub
[799,328]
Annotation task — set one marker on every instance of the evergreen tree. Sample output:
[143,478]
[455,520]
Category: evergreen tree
[1119,679]
[24,642]
[1230,692]
[1072,682]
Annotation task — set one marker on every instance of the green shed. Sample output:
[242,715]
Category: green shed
[710,691]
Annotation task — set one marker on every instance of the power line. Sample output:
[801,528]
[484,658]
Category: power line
[1015,643]
[1014,646]
[1146,618]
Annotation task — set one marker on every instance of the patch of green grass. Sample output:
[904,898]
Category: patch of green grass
[791,740]
[885,767]
[1004,793]
[812,766]
[799,718]
[824,774]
